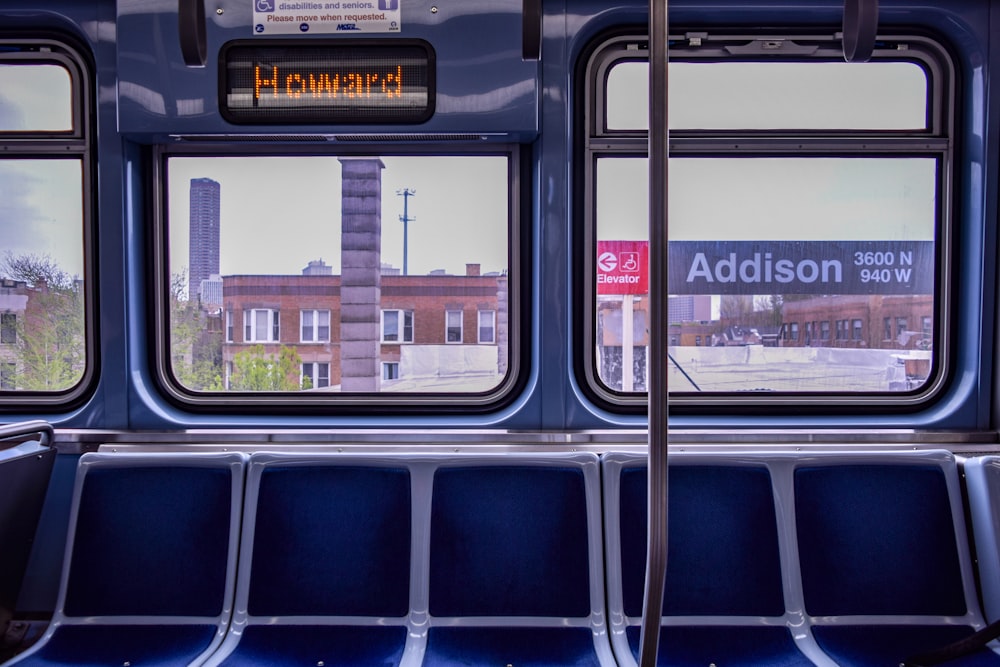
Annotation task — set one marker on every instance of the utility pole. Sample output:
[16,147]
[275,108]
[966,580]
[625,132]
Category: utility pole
[406,193]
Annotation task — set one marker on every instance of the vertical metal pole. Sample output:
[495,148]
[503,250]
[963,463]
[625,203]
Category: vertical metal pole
[656,552]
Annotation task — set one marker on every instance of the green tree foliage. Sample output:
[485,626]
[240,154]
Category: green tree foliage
[195,349]
[256,370]
[50,348]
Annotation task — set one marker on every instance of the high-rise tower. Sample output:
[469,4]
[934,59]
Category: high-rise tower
[203,248]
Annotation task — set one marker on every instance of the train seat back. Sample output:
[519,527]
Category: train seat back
[149,573]
[515,562]
[886,571]
[25,469]
[325,569]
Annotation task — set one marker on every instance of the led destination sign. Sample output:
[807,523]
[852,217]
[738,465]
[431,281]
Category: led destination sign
[374,82]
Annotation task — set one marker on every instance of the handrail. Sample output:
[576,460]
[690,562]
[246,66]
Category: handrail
[19,430]
[656,551]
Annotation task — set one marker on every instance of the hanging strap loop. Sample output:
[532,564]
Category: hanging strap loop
[859,30]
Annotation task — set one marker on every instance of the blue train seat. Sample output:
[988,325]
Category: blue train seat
[724,599]
[325,571]
[982,480]
[515,562]
[886,570]
[149,573]
[26,460]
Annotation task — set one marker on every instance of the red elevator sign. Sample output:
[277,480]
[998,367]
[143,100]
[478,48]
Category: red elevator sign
[623,267]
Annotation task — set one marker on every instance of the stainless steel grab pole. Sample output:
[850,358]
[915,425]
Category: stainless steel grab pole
[656,552]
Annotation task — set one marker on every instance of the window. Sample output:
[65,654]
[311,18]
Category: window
[747,169]
[453,326]
[397,326]
[315,375]
[315,326]
[46,188]
[339,272]
[8,371]
[390,370]
[824,330]
[487,326]
[8,328]
[261,326]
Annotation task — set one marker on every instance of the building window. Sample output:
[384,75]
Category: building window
[397,326]
[824,330]
[8,328]
[487,326]
[315,326]
[925,325]
[887,328]
[900,327]
[390,370]
[453,326]
[7,371]
[315,375]
[856,329]
[794,331]
[697,341]
[260,325]
[229,326]
[841,329]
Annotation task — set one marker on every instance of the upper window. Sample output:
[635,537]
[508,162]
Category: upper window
[44,176]
[353,251]
[761,95]
[800,189]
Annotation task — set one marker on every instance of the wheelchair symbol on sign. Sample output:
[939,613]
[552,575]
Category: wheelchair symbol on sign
[630,261]
[265,6]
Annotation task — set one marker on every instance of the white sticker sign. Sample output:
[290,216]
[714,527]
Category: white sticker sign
[290,17]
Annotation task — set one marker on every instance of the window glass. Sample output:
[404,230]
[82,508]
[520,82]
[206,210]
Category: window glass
[852,240]
[35,97]
[732,95]
[347,251]
[41,273]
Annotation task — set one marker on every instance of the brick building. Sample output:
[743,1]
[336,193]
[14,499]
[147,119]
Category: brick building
[423,320]
[895,321]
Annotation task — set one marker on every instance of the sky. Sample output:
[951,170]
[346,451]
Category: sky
[42,199]
[278,214]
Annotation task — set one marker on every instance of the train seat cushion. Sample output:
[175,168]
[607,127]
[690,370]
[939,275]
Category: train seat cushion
[152,645]
[328,645]
[881,645]
[733,646]
[518,646]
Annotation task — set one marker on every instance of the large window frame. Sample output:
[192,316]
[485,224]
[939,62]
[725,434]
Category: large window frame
[74,143]
[515,276]
[933,142]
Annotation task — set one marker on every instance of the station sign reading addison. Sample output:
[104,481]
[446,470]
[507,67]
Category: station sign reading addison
[801,267]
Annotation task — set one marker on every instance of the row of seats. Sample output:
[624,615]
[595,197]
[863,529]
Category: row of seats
[517,560]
